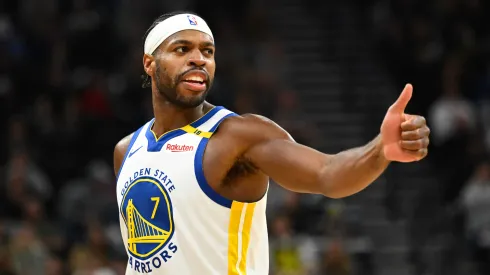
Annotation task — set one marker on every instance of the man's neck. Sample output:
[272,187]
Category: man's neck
[169,117]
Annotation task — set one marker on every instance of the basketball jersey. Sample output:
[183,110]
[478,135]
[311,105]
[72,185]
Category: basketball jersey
[172,221]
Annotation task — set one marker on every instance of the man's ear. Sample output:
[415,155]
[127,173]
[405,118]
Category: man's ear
[149,64]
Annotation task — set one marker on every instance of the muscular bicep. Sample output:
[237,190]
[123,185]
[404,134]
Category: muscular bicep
[292,165]
[272,150]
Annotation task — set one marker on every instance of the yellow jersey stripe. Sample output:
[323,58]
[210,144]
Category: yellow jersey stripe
[233,232]
[247,226]
[191,130]
[241,217]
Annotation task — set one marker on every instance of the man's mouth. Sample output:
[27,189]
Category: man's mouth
[195,81]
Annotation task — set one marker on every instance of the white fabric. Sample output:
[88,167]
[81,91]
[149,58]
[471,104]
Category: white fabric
[172,25]
[199,240]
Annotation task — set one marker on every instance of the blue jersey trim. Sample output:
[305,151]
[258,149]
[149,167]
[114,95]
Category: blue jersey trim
[199,171]
[206,117]
[155,145]
[133,139]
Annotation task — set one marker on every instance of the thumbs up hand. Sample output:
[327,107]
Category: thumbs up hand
[405,137]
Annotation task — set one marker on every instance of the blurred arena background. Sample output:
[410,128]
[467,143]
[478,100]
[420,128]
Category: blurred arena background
[326,71]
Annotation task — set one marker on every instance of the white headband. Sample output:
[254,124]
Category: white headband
[172,25]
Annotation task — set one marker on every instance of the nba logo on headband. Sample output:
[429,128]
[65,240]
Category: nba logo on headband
[192,20]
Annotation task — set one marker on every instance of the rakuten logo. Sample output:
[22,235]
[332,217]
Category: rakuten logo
[179,148]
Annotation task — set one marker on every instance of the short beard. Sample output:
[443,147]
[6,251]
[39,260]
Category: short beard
[169,92]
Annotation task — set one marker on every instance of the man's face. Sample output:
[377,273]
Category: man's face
[183,68]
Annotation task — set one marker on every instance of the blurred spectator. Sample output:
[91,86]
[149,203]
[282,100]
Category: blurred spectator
[92,256]
[6,265]
[336,260]
[29,254]
[285,250]
[476,202]
[452,115]
[24,179]
[54,266]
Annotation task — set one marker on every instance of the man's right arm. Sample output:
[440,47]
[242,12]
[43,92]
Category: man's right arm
[120,152]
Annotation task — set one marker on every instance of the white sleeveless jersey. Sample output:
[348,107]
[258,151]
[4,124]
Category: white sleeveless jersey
[172,221]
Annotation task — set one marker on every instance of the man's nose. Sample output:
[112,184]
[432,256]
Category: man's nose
[196,59]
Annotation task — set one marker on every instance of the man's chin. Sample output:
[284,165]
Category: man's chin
[190,98]
[189,101]
[191,104]
[183,98]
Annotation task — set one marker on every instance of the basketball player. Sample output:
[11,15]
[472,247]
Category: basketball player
[192,182]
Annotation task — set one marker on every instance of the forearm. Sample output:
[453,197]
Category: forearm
[351,171]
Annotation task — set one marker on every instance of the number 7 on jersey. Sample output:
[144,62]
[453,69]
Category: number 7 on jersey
[157,201]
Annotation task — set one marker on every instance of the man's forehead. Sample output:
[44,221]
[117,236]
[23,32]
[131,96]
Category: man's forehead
[193,36]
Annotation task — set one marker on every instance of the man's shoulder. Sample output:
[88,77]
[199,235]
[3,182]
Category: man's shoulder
[246,122]
[123,144]
[246,119]
[120,150]
[252,126]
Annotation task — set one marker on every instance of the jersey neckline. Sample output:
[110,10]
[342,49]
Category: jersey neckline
[155,144]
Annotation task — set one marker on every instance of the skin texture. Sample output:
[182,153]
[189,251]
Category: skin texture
[247,150]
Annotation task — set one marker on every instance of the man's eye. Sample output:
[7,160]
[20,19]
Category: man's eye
[181,49]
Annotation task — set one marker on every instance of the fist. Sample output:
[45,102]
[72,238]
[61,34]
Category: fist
[404,137]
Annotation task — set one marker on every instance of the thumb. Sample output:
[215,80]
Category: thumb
[402,101]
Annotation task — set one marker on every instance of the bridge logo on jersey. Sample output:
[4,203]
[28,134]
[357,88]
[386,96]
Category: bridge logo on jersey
[147,212]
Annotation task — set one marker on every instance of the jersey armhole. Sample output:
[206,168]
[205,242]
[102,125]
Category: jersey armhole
[133,139]
[199,171]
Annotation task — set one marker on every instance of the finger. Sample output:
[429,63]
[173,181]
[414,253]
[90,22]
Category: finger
[418,154]
[406,117]
[416,134]
[414,145]
[402,101]
[414,123]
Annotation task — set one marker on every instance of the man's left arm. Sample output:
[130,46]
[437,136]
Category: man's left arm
[403,138]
